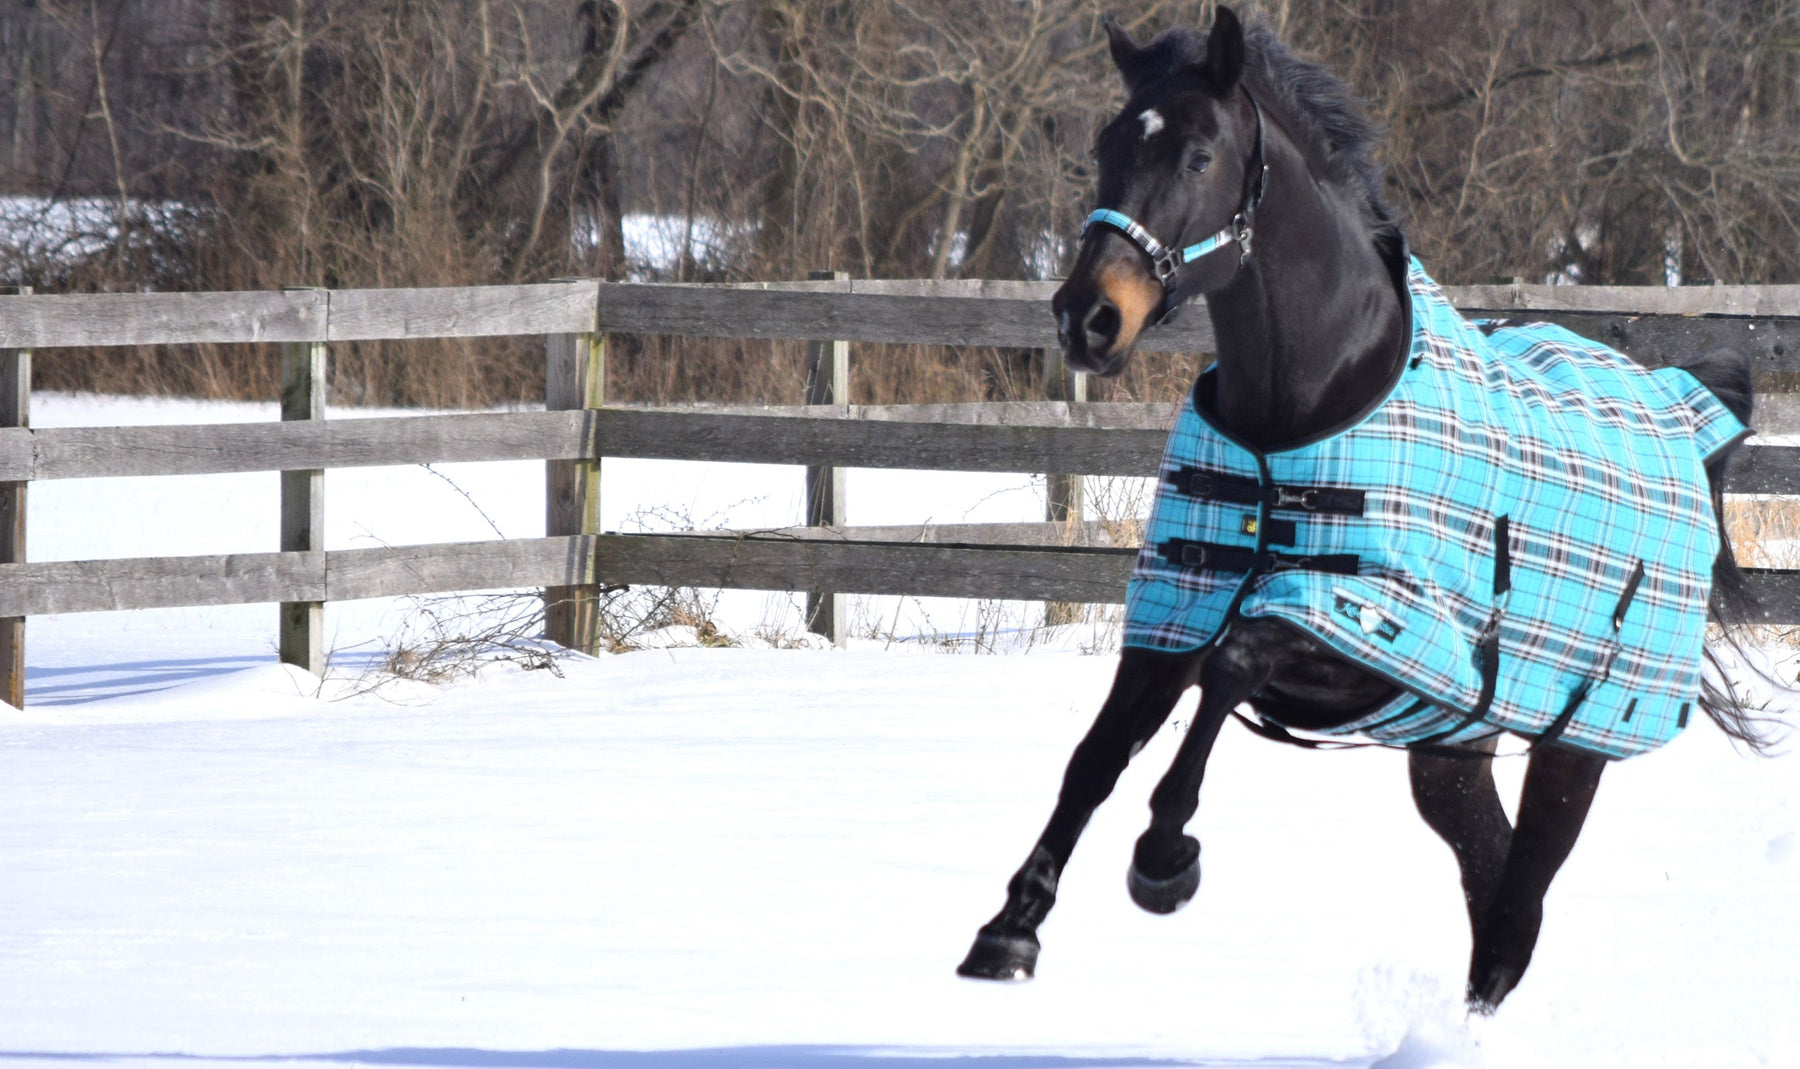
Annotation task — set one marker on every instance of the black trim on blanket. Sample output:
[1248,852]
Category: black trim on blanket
[1726,447]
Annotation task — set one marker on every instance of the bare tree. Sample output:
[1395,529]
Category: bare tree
[261,143]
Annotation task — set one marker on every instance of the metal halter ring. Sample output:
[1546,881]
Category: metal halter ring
[1166,265]
[1245,234]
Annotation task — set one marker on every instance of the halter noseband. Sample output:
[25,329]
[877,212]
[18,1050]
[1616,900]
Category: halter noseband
[1167,262]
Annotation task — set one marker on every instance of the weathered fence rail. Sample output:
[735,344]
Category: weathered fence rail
[1655,325]
[941,438]
[1062,563]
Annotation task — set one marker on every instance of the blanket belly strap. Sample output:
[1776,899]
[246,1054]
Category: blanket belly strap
[1222,558]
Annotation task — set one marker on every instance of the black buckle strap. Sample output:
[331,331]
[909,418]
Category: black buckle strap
[1317,499]
[1604,670]
[1625,599]
[1215,486]
[1240,490]
[1215,557]
[1269,729]
[1487,643]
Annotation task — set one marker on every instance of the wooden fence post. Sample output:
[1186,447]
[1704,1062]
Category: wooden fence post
[575,378]
[15,411]
[1064,494]
[827,383]
[303,503]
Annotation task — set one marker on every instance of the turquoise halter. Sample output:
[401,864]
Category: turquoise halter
[1167,262]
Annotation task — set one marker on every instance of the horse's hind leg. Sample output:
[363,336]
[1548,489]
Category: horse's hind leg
[1165,867]
[1455,793]
[1559,787]
[1144,691]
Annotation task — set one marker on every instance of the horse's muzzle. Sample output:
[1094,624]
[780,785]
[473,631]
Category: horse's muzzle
[1100,315]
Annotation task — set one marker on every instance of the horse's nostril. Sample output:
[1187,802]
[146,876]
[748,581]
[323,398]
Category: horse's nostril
[1103,322]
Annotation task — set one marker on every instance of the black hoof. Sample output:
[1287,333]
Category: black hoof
[1000,957]
[1501,954]
[1165,894]
[1493,989]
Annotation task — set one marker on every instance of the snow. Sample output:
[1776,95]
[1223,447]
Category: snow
[38,232]
[45,232]
[686,857]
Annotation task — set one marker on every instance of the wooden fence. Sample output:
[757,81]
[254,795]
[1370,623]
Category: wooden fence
[574,559]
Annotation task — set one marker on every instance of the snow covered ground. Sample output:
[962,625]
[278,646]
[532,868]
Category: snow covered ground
[773,858]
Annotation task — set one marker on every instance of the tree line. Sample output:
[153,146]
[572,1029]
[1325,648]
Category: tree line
[236,144]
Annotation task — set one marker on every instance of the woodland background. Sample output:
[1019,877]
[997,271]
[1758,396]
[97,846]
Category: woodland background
[255,144]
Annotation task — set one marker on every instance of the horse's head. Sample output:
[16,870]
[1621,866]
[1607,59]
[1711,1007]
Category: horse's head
[1180,171]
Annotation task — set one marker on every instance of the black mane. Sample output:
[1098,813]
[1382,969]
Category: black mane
[1314,105]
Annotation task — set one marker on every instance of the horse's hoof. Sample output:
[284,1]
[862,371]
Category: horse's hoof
[1179,857]
[1000,957]
[1164,895]
[1493,989]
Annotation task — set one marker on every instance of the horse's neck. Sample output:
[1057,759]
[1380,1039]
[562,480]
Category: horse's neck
[1309,332]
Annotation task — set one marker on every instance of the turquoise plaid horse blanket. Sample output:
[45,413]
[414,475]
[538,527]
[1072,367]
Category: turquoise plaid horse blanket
[1520,536]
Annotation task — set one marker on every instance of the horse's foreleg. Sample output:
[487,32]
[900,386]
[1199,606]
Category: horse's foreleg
[1559,787]
[1456,795]
[1144,691]
[1165,866]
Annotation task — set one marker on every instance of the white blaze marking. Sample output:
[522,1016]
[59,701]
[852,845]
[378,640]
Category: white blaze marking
[1153,123]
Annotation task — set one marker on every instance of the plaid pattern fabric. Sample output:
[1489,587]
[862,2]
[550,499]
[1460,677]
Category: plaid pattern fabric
[1596,465]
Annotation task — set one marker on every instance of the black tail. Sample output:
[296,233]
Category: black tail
[1726,373]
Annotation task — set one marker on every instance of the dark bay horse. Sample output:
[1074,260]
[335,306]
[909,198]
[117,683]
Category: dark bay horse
[1305,279]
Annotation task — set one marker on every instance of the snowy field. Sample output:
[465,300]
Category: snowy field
[759,857]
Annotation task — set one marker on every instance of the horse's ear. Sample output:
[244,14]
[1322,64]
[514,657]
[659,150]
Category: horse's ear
[1126,55]
[1225,50]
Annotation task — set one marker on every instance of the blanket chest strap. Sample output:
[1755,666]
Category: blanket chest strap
[1216,557]
[1239,490]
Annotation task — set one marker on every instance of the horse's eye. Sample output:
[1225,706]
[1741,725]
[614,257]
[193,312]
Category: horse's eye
[1200,163]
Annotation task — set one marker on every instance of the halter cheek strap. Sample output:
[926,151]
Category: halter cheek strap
[1167,262]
